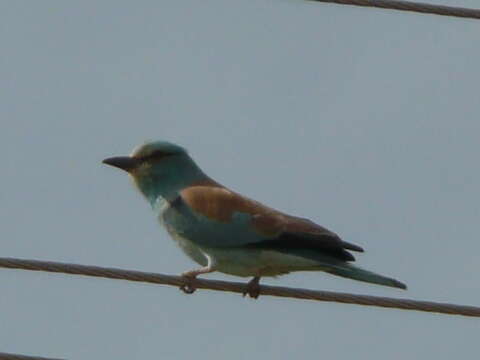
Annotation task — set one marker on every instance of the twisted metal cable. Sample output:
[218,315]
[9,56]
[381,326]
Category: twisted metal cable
[411,6]
[7,356]
[237,287]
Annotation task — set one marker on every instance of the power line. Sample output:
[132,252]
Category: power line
[237,287]
[7,356]
[411,6]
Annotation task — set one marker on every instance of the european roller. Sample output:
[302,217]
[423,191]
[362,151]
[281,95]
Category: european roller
[224,231]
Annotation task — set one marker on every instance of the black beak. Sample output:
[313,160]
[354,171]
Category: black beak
[122,162]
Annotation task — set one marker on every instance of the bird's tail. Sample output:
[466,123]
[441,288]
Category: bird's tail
[356,273]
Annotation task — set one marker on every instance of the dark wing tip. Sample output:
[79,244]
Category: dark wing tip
[346,256]
[352,247]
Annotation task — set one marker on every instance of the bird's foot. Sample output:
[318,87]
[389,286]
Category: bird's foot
[189,277]
[253,288]
[187,287]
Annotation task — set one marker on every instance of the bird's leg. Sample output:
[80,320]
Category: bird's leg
[253,288]
[189,276]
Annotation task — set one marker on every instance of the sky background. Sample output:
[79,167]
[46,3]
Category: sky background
[364,120]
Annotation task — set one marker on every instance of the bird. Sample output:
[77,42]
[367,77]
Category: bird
[224,231]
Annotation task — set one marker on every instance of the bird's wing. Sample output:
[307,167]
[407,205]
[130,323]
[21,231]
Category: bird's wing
[245,222]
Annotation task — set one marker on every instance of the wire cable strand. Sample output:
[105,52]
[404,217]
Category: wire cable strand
[411,6]
[112,273]
[7,356]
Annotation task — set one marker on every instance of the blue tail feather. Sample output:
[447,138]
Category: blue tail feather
[356,273]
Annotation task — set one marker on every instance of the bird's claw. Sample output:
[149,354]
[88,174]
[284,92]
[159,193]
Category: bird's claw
[187,287]
[252,289]
[252,294]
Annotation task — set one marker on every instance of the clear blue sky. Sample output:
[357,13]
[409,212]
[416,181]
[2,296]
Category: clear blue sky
[365,121]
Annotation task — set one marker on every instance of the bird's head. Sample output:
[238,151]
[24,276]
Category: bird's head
[159,168]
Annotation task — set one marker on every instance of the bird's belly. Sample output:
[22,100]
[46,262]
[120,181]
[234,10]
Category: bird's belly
[259,262]
[245,262]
